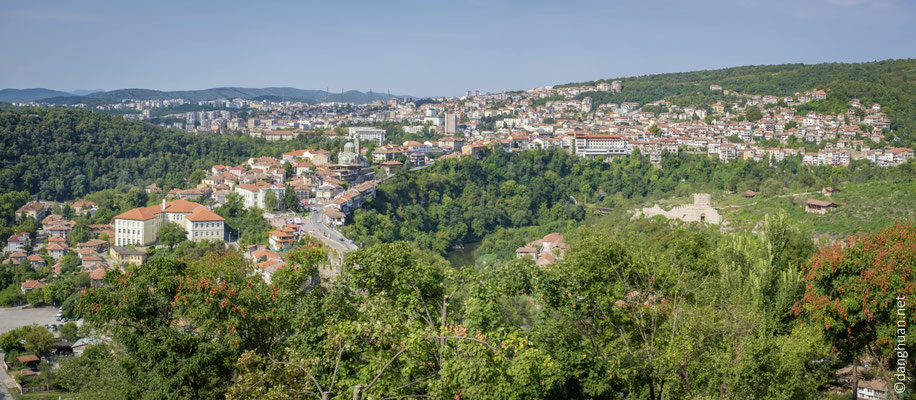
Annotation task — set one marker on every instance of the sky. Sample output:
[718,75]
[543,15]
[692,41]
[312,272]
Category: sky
[427,48]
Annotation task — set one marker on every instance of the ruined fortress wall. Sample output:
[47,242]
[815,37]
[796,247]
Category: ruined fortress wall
[700,210]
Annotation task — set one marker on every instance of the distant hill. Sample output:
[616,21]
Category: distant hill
[10,95]
[83,92]
[273,93]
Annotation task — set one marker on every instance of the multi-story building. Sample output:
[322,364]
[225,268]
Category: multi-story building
[253,194]
[451,123]
[141,225]
[282,239]
[588,145]
[17,242]
[368,133]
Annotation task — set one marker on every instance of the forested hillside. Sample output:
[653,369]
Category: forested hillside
[62,154]
[461,201]
[891,83]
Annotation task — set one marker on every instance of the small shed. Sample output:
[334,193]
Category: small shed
[748,194]
[819,206]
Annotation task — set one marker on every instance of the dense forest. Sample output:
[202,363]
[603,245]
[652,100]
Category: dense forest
[648,311]
[63,154]
[459,201]
[891,83]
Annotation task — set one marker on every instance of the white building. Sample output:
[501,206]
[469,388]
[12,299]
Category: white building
[253,193]
[140,225]
[364,133]
[588,145]
[17,242]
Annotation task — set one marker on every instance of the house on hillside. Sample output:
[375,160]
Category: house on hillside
[32,209]
[872,390]
[546,250]
[818,206]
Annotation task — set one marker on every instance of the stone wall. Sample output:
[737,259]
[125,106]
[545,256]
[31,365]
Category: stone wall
[700,210]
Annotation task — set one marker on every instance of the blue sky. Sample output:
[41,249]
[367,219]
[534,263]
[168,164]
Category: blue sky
[428,47]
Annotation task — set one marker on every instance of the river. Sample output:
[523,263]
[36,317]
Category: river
[464,256]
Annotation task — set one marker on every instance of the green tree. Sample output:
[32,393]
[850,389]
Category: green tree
[270,201]
[13,338]
[39,340]
[288,169]
[290,201]
[136,197]
[171,234]
[69,331]
[753,113]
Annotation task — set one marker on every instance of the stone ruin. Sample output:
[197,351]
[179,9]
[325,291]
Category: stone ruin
[700,211]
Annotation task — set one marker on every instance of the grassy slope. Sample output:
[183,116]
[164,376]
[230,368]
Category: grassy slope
[862,206]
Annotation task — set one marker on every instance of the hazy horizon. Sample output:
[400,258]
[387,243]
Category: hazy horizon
[421,49]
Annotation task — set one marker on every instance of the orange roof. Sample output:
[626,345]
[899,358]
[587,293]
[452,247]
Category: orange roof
[140,213]
[27,359]
[265,253]
[181,206]
[203,214]
[57,246]
[97,274]
[148,213]
[32,284]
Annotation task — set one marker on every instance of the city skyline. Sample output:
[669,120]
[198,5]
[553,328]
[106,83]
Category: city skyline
[420,49]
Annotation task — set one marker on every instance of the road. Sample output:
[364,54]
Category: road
[328,235]
[6,382]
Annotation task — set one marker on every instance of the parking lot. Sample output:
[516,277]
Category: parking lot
[14,317]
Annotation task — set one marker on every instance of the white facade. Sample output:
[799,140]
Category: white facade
[600,146]
[140,226]
[368,133]
[253,194]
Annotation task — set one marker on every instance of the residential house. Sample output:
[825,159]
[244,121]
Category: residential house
[18,242]
[57,250]
[30,285]
[96,277]
[32,209]
[253,194]
[82,207]
[124,255]
[282,239]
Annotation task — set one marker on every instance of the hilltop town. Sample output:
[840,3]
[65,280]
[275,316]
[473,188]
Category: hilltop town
[328,186]
[749,126]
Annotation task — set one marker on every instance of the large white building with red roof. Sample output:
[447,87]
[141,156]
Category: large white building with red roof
[139,226]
